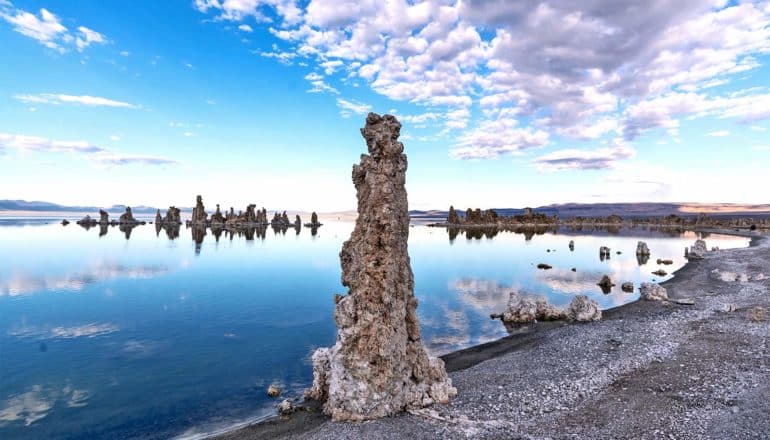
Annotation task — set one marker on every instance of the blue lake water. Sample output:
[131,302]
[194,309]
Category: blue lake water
[107,337]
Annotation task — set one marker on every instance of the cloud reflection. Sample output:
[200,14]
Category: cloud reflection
[33,405]
[26,283]
[90,330]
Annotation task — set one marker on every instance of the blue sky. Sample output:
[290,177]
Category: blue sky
[503,104]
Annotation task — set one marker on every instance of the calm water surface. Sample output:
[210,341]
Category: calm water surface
[107,337]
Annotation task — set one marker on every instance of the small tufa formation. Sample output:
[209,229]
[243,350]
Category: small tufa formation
[285,408]
[314,223]
[605,283]
[452,218]
[525,309]
[642,249]
[665,261]
[697,251]
[660,273]
[199,216]
[653,292]
[158,218]
[627,287]
[104,217]
[127,217]
[65,222]
[217,218]
[378,365]
[604,253]
[86,221]
[572,245]
[297,222]
[583,309]
[173,216]
[273,391]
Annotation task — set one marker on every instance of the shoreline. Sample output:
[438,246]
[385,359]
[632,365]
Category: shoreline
[312,423]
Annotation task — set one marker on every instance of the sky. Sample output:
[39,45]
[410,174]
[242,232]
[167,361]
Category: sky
[502,103]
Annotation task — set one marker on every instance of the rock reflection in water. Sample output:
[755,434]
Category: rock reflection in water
[198,233]
[126,229]
[103,228]
[171,229]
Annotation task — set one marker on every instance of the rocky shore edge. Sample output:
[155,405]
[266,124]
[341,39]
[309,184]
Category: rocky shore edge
[647,370]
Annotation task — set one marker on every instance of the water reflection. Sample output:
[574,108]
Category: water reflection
[21,283]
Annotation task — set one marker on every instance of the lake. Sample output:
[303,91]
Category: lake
[107,337]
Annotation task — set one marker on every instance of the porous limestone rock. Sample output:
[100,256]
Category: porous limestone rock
[642,249]
[285,407]
[173,216]
[698,250]
[104,217]
[583,309]
[199,216]
[627,286]
[572,245]
[378,365]
[605,283]
[127,217]
[653,292]
[273,391]
[158,218]
[452,218]
[521,309]
[217,217]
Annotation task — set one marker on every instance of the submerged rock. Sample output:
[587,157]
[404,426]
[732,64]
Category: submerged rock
[583,309]
[544,266]
[605,283]
[666,262]
[378,365]
[660,273]
[273,391]
[627,287]
[653,292]
[65,222]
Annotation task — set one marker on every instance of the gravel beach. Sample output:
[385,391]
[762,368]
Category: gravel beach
[648,370]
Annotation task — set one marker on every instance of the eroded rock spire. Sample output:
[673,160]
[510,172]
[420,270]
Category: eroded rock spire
[378,365]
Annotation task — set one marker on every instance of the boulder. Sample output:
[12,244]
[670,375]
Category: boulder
[378,365]
[285,407]
[583,309]
[653,292]
[273,391]
[627,287]
[660,273]
[521,309]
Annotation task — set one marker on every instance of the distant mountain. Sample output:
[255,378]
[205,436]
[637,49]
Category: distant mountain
[645,209]
[565,210]
[37,206]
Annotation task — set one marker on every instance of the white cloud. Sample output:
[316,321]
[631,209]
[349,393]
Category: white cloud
[349,107]
[55,99]
[720,133]
[125,53]
[245,28]
[494,138]
[114,138]
[87,37]
[602,68]
[90,151]
[758,128]
[574,159]
[48,29]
